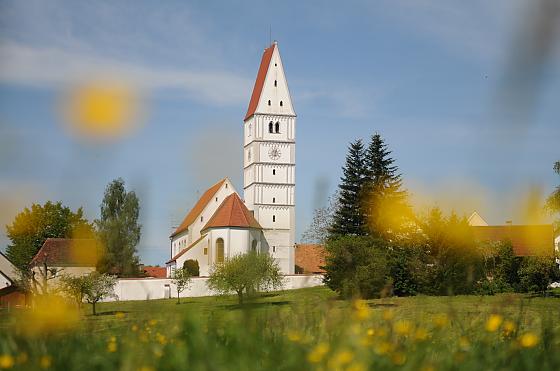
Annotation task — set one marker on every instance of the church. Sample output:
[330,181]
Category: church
[221,224]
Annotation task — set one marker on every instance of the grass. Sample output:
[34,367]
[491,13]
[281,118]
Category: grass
[291,330]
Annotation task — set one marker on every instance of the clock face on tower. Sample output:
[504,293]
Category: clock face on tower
[274,153]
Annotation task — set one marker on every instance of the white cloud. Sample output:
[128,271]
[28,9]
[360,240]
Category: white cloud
[54,67]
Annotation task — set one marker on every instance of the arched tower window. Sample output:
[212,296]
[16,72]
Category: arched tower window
[220,250]
[275,83]
[277,127]
[271,127]
[274,218]
[269,102]
[281,104]
[254,246]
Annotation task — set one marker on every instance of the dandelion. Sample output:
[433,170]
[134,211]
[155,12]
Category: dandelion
[362,310]
[384,347]
[388,315]
[509,328]
[403,327]
[357,366]
[134,328]
[341,358]
[161,339]
[440,320]
[6,361]
[398,358]
[111,347]
[146,368]
[294,336]
[370,332]
[528,340]
[45,361]
[421,334]
[494,322]
[153,322]
[428,368]
[317,354]
[119,315]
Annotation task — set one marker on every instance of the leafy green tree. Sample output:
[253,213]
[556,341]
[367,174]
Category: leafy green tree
[98,286]
[192,267]
[245,274]
[318,230]
[74,287]
[553,201]
[119,230]
[31,227]
[356,266]
[349,218]
[386,206]
[181,278]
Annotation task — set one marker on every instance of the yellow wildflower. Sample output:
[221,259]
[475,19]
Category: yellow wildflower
[398,358]
[403,327]
[371,332]
[119,315]
[146,368]
[384,347]
[161,339]
[153,322]
[388,315]
[440,320]
[51,314]
[357,366]
[341,358]
[494,322]
[317,354]
[111,347]
[134,328]
[158,353]
[421,334]
[6,361]
[362,310]
[509,328]
[464,343]
[294,336]
[528,340]
[428,368]
[45,361]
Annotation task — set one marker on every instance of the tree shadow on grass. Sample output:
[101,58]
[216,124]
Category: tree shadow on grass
[382,305]
[253,305]
[109,313]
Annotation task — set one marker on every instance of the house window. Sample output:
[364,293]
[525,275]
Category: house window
[205,251]
[273,248]
[275,83]
[226,185]
[216,199]
[277,127]
[281,104]
[270,127]
[273,171]
[269,102]
[274,218]
[220,250]
[201,218]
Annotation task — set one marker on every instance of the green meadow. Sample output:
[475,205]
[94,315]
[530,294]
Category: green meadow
[308,329]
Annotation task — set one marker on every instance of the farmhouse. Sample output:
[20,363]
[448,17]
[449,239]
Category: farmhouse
[221,224]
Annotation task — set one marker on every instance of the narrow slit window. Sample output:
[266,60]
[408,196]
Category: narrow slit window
[273,171]
[274,218]
[277,127]
[201,218]
[281,104]
[271,127]
[275,83]
[273,248]
[269,102]
[273,200]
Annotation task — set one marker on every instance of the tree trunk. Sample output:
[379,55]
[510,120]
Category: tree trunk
[240,296]
[94,312]
[178,297]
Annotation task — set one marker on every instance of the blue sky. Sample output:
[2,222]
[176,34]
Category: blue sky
[442,82]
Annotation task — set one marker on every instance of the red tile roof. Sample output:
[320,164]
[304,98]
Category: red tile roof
[232,213]
[259,82]
[527,240]
[198,207]
[310,257]
[156,272]
[68,252]
[185,250]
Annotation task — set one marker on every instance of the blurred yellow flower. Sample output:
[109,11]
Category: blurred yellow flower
[45,361]
[153,322]
[50,314]
[494,322]
[528,340]
[428,368]
[111,347]
[6,361]
[421,334]
[341,358]
[388,315]
[403,327]
[317,354]
[509,327]
[146,368]
[398,358]
[119,315]
[384,347]
[440,320]
[464,343]
[362,310]
[356,366]
[371,332]
[134,328]
[161,339]
[294,336]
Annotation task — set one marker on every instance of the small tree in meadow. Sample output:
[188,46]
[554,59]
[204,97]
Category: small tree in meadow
[181,278]
[98,286]
[74,287]
[245,274]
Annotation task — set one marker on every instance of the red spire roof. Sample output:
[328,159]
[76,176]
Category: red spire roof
[232,213]
[259,82]
[198,207]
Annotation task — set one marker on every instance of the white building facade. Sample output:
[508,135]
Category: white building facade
[220,225]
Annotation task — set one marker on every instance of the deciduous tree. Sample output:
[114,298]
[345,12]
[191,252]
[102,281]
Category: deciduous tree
[181,278]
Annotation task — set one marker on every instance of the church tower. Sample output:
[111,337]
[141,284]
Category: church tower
[269,159]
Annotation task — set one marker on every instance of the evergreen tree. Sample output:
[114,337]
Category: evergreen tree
[348,218]
[386,205]
[119,230]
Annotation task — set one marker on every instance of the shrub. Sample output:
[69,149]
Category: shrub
[537,272]
[192,267]
[356,266]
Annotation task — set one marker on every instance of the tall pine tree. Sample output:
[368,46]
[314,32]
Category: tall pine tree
[386,205]
[348,218]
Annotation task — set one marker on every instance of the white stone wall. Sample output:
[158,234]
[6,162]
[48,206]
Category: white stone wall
[152,288]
